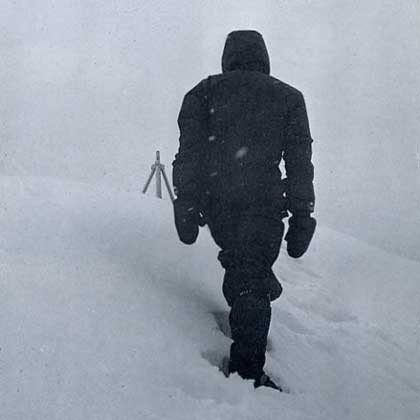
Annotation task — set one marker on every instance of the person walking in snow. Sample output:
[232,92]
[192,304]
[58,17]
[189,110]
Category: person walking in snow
[235,128]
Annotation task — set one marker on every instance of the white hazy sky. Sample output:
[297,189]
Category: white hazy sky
[90,89]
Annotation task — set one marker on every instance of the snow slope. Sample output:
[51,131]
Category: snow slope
[105,315]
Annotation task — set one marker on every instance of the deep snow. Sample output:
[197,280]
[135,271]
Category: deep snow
[105,315]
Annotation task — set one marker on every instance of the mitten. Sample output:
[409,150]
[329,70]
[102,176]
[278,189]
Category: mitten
[299,235]
[187,219]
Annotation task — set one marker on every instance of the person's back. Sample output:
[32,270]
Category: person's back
[235,129]
[245,123]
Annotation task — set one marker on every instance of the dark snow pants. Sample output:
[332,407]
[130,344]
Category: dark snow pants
[249,236]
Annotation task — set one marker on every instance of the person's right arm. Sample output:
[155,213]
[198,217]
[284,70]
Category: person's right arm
[300,174]
[297,157]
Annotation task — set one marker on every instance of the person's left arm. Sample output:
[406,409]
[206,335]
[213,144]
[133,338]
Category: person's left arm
[192,122]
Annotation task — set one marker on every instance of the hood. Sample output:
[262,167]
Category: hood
[245,50]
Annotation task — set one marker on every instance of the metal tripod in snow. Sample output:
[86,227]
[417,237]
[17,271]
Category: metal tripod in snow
[159,170]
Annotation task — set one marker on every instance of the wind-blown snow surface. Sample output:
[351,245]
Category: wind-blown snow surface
[105,315]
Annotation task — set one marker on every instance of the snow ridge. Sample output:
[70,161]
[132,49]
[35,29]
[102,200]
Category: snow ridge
[105,315]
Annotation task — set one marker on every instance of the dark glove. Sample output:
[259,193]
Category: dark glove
[187,220]
[299,235]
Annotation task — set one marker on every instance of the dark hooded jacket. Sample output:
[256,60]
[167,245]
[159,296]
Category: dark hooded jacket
[237,126]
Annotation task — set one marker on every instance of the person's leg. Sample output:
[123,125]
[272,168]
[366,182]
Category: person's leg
[249,285]
[249,320]
[249,252]
[250,243]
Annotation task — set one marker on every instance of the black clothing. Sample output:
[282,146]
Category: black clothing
[266,381]
[249,321]
[187,220]
[245,50]
[235,127]
[249,235]
[299,235]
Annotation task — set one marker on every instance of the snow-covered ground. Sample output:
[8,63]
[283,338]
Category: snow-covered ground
[105,315]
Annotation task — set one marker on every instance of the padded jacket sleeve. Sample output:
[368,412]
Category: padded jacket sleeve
[297,157]
[192,122]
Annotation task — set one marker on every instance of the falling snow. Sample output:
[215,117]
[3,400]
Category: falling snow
[241,153]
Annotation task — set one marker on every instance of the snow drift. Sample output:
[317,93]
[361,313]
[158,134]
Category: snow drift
[105,315]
